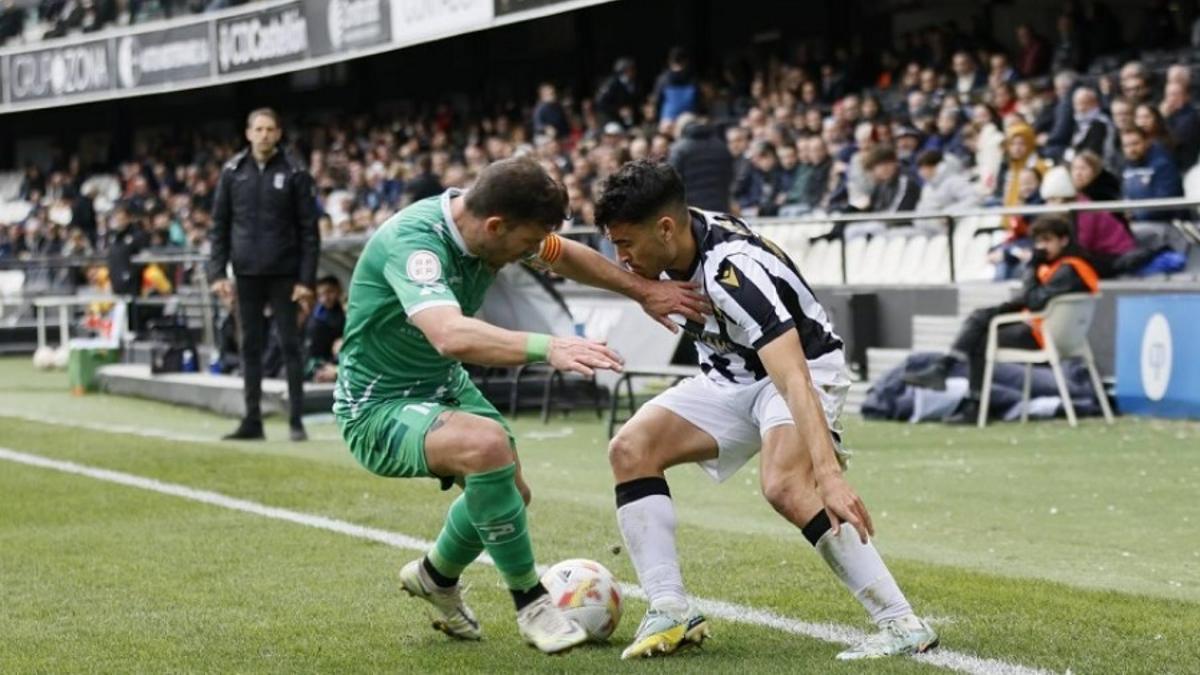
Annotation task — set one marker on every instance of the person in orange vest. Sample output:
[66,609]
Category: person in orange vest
[1057,268]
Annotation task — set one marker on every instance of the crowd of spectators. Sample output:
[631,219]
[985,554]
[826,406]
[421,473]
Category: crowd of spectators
[28,23]
[945,120]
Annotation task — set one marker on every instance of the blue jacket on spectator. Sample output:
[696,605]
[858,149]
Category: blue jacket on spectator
[1155,177]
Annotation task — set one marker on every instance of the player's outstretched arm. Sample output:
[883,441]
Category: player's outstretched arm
[659,298]
[784,360]
[473,341]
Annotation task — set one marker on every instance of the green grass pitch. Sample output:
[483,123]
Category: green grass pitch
[1037,546]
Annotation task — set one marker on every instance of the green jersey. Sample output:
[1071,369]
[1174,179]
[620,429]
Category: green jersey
[415,261]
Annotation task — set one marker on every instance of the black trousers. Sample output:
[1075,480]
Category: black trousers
[253,295]
[972,341]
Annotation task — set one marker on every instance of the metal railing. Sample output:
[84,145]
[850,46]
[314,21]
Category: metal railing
[199,279]
[342,251]
[952,217]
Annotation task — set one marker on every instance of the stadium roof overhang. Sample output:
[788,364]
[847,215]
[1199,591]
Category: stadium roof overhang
[248,42]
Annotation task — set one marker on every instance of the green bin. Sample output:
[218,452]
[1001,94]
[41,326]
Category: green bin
[84,364]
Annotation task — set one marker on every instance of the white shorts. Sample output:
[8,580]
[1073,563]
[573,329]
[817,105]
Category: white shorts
[738,416]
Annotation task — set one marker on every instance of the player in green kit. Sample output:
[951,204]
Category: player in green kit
[406,407]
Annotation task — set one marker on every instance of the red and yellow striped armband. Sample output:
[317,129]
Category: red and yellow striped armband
[552,249]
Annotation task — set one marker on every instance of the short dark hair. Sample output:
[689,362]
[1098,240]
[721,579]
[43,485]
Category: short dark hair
[929,158]
[329,280]
[1135,131]
[518,190]
[879,155]
[1050,226]
[638,191]
[265,112]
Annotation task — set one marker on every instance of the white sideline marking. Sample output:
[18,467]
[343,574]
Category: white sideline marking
[720,609]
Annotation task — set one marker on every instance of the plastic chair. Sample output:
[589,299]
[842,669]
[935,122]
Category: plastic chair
[1065,324]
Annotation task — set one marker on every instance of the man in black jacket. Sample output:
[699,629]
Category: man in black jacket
[896,188]
[265,222]
[704,163]
[1057,268]
[616,100]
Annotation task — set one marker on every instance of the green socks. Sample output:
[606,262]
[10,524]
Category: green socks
[458,545]
[495,508]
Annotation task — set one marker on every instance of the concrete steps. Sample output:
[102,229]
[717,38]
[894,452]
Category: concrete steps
[855,398]
[934,333]
[220,393]
[880,360]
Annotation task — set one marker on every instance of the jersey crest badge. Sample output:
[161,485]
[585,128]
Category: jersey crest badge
[729,278]
[423,267]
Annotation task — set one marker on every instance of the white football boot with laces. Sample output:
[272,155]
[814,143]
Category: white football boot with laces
[909,635]
[450,614]
[665,632]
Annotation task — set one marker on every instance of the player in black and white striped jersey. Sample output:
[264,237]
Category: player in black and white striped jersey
[773,384]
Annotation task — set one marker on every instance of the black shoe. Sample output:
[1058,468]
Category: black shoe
[297,433]
[932,376]
[967,413]
[246,431]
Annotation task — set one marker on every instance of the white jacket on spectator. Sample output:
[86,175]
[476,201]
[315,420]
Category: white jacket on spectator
[859,184]
[989,155]
[949,190]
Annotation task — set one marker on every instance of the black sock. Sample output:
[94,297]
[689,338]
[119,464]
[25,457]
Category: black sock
[633,490]
[523,598]
[440,579]
[817,527]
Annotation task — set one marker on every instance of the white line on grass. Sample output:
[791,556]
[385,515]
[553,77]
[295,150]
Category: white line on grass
[713,608]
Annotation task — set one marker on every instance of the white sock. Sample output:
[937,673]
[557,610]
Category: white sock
[648,527]
[862,571]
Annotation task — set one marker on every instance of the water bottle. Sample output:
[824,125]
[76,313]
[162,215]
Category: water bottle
[214,363]
[189,361]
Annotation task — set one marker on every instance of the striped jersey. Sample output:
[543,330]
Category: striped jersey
[757,295]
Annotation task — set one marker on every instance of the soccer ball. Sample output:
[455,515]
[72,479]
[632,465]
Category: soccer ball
[588,594]
[43,358]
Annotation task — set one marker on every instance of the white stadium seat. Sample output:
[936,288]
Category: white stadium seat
[871,262]
[912,258]
[891,261]
[935,268]
[856,250]
[1191,183]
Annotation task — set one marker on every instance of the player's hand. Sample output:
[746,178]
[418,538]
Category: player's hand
[843,505]
[222,288]
[578,355]
[302,294]
[662,298]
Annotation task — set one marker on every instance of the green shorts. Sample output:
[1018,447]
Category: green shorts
[389,438]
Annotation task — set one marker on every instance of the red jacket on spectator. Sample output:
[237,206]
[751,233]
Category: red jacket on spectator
[1102,232]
